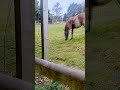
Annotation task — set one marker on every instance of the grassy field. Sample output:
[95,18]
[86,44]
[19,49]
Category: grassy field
[70,53]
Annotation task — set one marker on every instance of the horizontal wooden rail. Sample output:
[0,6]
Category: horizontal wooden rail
[72,77]
[10,83]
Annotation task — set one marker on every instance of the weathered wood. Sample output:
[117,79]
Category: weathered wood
[44,28]
[9,83]
[24,18]
[68,76]
[18,39]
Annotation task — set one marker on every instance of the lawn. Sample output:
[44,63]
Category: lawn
[69,53]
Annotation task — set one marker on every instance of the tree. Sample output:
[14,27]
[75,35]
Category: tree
[65,17]
[83,7]
[37,10]
[37,6]
[74,9]
[57,9]
[79,9]
[49,17]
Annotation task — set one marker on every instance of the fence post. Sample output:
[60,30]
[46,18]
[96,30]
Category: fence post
[44,28]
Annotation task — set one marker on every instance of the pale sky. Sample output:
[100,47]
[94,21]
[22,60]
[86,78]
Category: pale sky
[63,3]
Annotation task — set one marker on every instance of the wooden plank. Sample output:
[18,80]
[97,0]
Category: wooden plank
[9,83]
[68,76]
[44,28]
[24,23]
[18,39]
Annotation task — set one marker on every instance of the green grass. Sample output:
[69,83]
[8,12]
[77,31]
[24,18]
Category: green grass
[70,53]
[51,86]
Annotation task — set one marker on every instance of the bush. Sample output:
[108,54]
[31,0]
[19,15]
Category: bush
[52,86]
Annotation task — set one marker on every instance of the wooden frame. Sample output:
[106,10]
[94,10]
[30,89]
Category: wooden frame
[24,26]
[10,83]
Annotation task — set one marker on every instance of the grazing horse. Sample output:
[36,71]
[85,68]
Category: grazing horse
[72,23]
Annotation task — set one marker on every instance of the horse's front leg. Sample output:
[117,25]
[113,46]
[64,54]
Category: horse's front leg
[71,34]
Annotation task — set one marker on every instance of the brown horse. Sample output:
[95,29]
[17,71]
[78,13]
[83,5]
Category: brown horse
[74,22]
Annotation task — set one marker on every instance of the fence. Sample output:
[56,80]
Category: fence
[71,77]
[51,21]
[68,76]
[23,26]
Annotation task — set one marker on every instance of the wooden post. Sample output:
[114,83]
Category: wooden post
[24,27]
[44,28]
[88,16]
[10,83]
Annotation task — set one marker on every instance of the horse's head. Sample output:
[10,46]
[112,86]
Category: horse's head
[66,33]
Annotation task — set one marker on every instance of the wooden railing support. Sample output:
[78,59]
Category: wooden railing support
[10,83]
[71,77]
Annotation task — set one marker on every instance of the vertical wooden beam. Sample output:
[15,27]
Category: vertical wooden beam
[44,28]
[24,25]
[88,12]
[27,36]
[18,39]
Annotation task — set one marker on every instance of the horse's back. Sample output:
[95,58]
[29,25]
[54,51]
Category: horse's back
[77,21]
